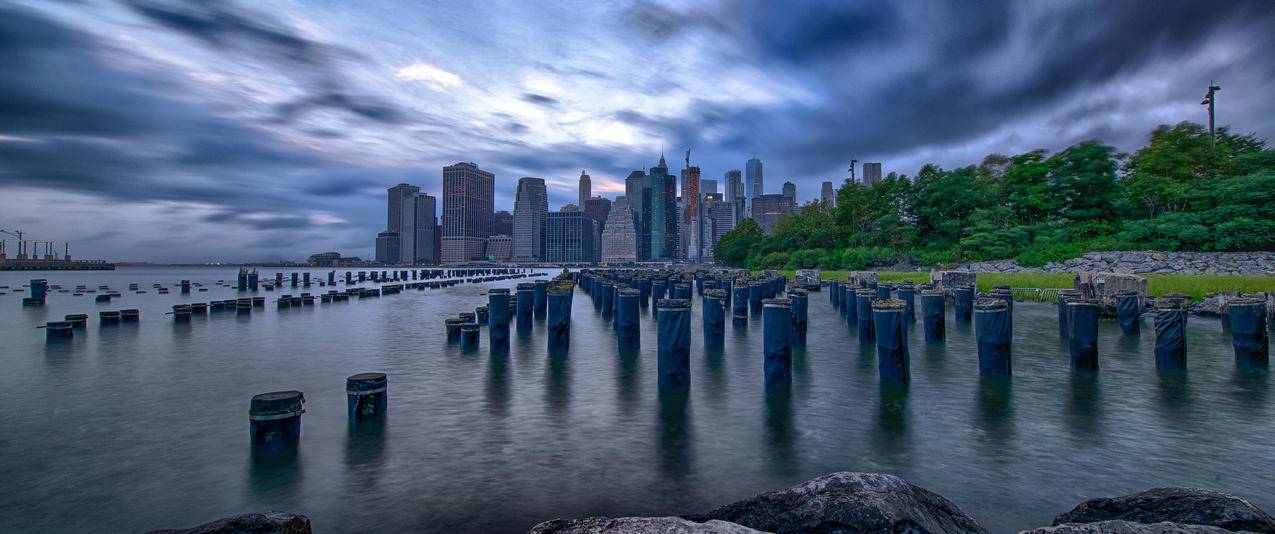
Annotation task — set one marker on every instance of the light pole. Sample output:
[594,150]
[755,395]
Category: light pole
[1209,100]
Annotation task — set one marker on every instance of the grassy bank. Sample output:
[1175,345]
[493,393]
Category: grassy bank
[1195,285]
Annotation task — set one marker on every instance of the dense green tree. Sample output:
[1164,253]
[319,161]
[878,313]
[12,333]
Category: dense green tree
[1084,182]
[735,245]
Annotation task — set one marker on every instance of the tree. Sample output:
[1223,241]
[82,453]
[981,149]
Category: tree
[734,247]
[1084,181]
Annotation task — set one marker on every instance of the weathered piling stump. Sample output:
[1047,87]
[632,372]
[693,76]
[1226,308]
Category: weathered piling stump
[1248,332]
[469,336]
[366,397]
[1129,312]
[181,313]
[933,316]
[658,287]
[58,330]
[497,318]
[739,302]
[78,320]
[481,314]
[526,305]
[777,341]
[559,327]
[799,304]
[453,328]
[1170,334]
[628,328]
[863,313]
[714,316]
[891,335]
[907,293]
[756,293]
[963,303]
[994,333]
[674,341]
[130,315]
[1065,296]
[606,294]
[1082,333]
[274,422]
[539,299]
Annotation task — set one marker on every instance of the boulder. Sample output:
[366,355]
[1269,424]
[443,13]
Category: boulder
[267,523]
[638,525]
[1189,506]
[850,503]
[1126,527]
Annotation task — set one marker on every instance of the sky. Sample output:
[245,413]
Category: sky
[269,130]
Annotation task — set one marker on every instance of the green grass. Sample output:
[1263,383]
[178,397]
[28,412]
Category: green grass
[1194,285]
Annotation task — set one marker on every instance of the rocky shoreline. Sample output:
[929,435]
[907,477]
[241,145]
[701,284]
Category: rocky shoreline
[847,502]
[1143,262]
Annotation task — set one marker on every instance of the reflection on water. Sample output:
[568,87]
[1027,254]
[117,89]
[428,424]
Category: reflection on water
[1084,409]
[892,437]
[557,384]
[1252,386]
[996,409]
[274,476]
[676,449]
[1174,389]
[780,436]
[498,384]
[365,454]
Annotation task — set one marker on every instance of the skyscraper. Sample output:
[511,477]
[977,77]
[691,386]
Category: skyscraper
[502,223]
[790,191]
[598,208]
[660,194]
[619,236]
[531,207]
[569,237]
[734,185]
[871,173]
[707,186]
[827,195]
[688,241]
[753,175]
[767,209]
[586,189]
[409,234]
[468,207]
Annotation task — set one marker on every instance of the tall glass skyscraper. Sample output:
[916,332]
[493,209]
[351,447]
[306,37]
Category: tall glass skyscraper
[531,207]
[753,175]
[469,202]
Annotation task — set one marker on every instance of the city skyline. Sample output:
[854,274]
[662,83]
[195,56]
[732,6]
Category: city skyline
[270,130]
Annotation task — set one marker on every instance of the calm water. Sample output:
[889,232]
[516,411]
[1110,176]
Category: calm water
[139,427]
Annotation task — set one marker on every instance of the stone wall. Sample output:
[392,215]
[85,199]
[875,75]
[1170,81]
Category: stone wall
[1144,262]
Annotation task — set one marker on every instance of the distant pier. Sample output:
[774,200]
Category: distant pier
[55,265]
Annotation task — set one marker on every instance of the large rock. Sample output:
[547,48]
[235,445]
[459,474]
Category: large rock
[267,523]
[1126,527]
[849,503]
[1189,506]
[638,525]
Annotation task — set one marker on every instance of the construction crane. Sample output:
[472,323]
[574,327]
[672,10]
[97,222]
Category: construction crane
[688,158]
[15,233]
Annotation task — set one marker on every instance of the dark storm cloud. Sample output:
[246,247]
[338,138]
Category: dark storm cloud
[83,126]
[232,29]
[540,100]
[880,98]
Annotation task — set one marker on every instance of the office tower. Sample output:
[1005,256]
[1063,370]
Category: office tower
[619,236]
[827,195]
[468,207]
[634,196]
[734,185]
[569,237]
[531,208]
[790,191]
[598,208]
[753,181]
[502,223]
[871,173]
[424,230]
[767,209]
[586,189]
[688,243]
[500,248]
[707,186]
[398,197]
[659,213]
[387,251]
[724,219]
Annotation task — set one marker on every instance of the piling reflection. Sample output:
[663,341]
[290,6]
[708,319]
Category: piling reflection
[1174,389]
[676,449]
[892,438]
[365,453]
[271,476]
[557,383]
[1084,410]
[715,376]
[628,379]
[996,410]
[780,436]
[498,384]
[1252,386]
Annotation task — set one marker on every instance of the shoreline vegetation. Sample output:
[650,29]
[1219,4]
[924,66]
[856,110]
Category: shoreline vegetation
[1178,193]
[1197,286]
